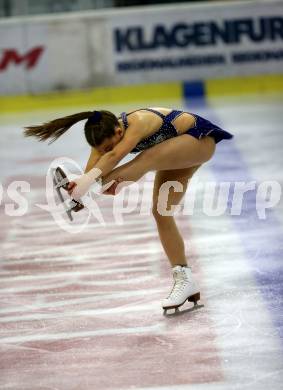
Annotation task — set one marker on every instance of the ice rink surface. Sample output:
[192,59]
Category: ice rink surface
[83,311]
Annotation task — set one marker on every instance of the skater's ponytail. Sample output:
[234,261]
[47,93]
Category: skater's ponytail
[55,128]
[99,125]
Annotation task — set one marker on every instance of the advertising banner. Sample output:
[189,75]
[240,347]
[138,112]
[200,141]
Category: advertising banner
[201,42]
[140,45]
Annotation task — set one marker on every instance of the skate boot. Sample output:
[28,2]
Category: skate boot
[184,289]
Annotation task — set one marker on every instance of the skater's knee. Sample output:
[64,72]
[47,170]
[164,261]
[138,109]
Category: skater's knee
[161,216]
[154,212]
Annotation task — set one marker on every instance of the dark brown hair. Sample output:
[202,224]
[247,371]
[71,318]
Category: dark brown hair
[99,125]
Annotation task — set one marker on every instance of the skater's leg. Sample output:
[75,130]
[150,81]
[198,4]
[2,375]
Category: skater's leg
[131,171]
[184,287]
[180,152]
[169,234]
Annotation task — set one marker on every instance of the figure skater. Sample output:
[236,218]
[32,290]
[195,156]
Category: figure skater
[174,143]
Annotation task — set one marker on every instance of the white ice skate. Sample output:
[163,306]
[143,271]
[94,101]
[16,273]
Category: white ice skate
[184,289]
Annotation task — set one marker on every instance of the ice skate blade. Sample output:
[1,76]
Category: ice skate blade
[179,312]
[60,181]
[193,298]
[61,178]
[67,210]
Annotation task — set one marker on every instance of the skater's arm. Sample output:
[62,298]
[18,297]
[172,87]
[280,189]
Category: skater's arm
[109,160]
[93,159]
[106,163]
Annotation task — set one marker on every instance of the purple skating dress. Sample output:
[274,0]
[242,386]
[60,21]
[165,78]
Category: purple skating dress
[167,130]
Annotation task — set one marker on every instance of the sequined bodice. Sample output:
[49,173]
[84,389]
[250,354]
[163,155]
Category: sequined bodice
[166,131]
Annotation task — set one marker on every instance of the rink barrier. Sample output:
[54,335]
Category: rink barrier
[93,97]
[236,86]
[150,93]
[143,44]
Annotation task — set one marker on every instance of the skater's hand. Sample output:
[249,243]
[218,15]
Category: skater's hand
[79,186]
[112,189]
[71,186]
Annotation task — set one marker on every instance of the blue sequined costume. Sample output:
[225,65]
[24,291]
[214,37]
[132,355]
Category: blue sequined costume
[167,130]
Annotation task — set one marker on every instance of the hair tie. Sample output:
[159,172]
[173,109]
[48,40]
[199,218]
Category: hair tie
[95,117]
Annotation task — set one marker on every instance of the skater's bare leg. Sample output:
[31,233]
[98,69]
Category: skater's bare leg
[180,152]
[169,234]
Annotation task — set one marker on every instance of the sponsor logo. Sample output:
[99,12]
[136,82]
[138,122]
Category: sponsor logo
[13,57]
[198,34]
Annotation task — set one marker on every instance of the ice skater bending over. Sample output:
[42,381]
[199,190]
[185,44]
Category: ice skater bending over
[174,143]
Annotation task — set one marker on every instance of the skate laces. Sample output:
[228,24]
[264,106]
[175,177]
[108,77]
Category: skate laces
[180,281]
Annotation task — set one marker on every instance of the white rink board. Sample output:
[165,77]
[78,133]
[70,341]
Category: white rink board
[139,45]
[183,44]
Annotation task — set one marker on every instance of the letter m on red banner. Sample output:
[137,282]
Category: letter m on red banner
[29,59]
